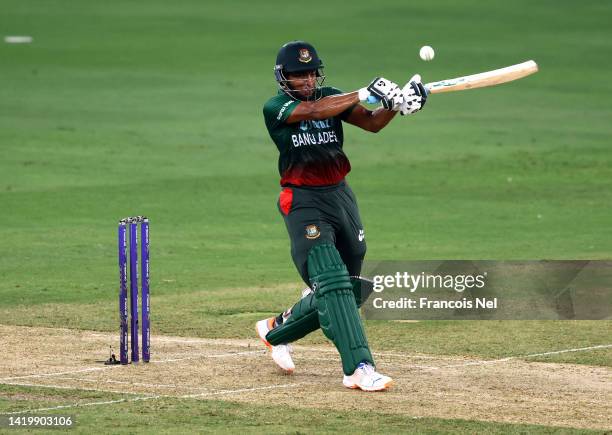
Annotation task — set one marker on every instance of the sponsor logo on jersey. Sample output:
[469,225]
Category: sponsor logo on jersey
[313,124]
[305,56]
[312,232]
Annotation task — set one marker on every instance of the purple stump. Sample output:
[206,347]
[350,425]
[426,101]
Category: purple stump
[134,288]
[144,253]
[123,312]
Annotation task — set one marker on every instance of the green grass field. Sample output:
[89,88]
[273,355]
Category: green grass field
[124,108]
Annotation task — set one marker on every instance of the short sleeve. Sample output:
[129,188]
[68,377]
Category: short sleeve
[277,110]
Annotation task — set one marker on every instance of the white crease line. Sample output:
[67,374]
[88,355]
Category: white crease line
[406,355]
[464,364]
[313,358]
[212,342]
[93,369]
[74,405]
[142,398]
[382,354]
[297,348]
[554,352]
[533,355]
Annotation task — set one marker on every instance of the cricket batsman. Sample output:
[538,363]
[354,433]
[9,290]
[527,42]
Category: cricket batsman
[319,208]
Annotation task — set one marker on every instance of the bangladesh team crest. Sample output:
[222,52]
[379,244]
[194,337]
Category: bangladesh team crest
[312,232]
[305,56]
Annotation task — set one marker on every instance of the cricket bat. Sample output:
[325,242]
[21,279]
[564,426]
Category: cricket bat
[482,80]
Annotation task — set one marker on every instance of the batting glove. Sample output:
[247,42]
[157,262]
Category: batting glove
[414,96]
[388,92]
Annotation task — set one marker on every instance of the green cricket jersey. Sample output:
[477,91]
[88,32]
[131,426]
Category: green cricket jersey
[310,151]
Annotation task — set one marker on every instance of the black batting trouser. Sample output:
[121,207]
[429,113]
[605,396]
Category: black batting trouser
[323,214]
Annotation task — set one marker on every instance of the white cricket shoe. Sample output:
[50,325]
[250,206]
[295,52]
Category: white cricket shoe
[281,353]
[366,378]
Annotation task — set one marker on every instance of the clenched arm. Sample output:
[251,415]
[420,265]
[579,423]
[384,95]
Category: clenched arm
[324,108]
[369,120]
[334,105]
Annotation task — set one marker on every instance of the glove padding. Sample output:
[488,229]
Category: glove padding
[388,92]
[414,96]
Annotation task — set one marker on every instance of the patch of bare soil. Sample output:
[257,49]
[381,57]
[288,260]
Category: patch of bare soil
[512,391]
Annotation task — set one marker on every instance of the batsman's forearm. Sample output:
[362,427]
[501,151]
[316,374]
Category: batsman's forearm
[332,105]
[381,117]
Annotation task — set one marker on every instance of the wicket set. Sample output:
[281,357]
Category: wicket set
[133,222]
